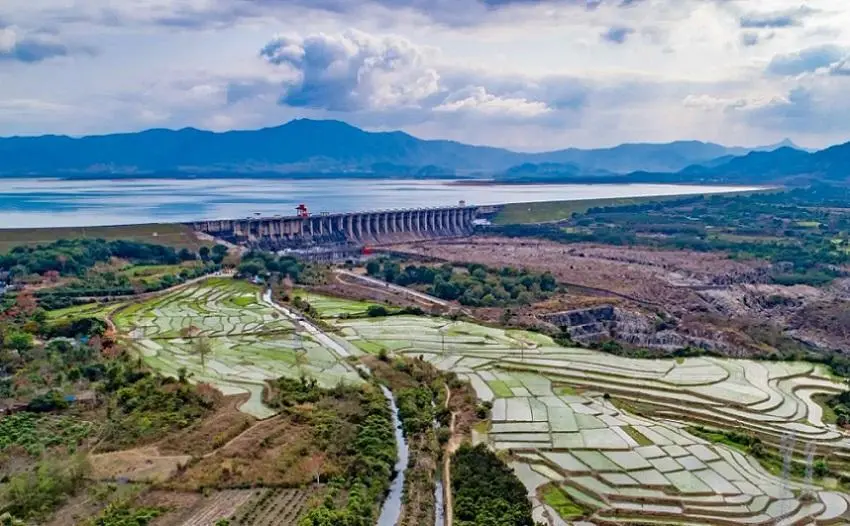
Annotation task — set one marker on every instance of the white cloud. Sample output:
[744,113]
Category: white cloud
[712,103]
[523,73]
[8,38]
[478,100]
[353,71]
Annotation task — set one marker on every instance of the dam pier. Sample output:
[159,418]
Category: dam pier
[357,229]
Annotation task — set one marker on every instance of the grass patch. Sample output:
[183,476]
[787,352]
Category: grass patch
[548,211]
[566,390]
[500,389]
[173,235]
[637,436]
[562,503]
[87,310]
[368,347]
[740,238]
[733,440]
[482,427]
[244,301]
[829,414]
[330,307]
[156,271]
[634,408]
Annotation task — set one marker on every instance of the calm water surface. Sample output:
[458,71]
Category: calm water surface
[28,203]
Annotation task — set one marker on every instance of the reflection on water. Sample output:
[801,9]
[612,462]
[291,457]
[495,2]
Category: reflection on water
[52,202]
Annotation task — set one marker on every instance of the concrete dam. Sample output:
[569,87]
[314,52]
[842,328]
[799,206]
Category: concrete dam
[350,229]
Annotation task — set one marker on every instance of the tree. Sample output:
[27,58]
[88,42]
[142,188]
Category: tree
[7,520]
[373,268]
[49,401]
[250,268]
[218,254]
[201,346]
[182,375]
[820,468]
[186,255]
[26,303]
[204,252]
[377,311]
[391,272]
[19,341]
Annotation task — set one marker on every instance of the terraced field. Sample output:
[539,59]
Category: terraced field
[552,408]
[249,341]
[272,507]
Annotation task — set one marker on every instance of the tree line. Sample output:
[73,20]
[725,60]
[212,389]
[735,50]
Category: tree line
[472,284]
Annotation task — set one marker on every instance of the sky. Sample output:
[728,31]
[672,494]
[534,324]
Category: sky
[529,75]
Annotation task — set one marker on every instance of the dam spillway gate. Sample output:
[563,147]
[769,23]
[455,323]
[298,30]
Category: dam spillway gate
[348,229]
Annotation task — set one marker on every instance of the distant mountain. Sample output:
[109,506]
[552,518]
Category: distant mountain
[784,143]
[323,147]
[670,157]
[300,145]
[782,165]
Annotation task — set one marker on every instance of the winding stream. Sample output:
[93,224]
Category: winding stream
[391,510]
[439,505]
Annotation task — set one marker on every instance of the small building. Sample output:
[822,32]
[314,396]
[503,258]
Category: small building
[82,399]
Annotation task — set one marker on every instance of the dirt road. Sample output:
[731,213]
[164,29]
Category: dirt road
[454,443]
[401,290]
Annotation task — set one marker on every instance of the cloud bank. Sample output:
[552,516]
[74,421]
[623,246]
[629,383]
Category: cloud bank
[527,74]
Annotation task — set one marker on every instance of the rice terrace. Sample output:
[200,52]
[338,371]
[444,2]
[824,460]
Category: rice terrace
[562,413]
[249,341]
[430,381]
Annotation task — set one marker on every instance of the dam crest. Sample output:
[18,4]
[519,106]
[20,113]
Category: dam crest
[372,228]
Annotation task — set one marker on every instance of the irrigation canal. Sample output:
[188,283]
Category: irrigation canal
[391,510]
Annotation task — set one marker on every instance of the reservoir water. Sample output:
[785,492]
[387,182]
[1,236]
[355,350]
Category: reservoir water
[26,203]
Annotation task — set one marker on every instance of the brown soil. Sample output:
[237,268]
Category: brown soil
[193,508]
[169,499]
[269,453]
[136,465]
[649,277]
[712,300]
[210,433]
[89,503]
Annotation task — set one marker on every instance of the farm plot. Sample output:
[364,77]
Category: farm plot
[272,507]
[622,466]
[220,505]
[218,332]
[330,307]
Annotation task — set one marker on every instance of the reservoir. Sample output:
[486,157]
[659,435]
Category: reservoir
[28,203]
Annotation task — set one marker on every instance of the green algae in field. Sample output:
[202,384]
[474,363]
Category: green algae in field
[500,389]
[87,310]
[566,508]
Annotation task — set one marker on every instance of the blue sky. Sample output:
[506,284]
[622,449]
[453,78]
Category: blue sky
[525,74]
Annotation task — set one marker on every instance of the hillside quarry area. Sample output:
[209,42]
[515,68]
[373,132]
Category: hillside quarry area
[664,299]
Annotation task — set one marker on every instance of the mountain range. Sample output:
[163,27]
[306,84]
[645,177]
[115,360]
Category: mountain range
[309,148]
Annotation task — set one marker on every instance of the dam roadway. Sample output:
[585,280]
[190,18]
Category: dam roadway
[355,229]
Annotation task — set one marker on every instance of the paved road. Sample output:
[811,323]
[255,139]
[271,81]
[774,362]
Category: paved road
[314,331]
[396,288]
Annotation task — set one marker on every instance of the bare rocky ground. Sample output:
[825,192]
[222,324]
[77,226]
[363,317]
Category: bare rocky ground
[664,299]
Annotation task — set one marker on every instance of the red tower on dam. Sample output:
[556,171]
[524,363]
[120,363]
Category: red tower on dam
[301,210]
